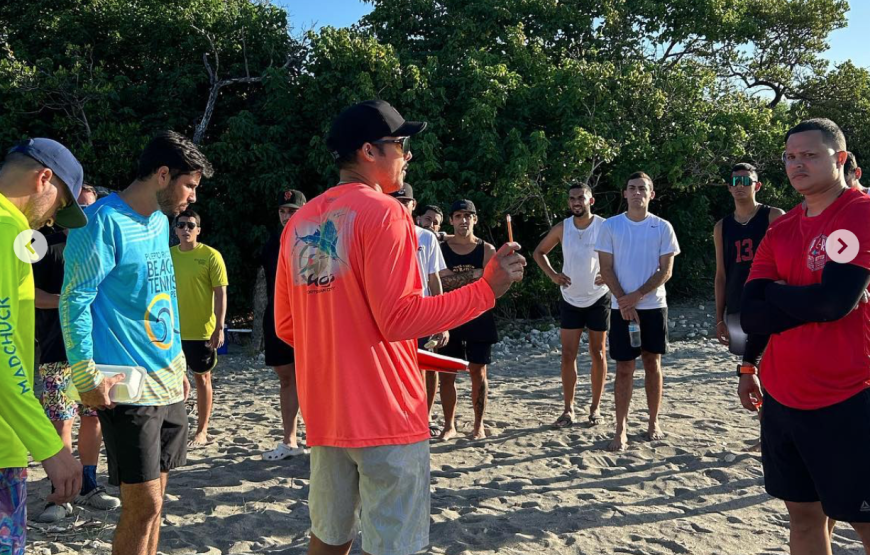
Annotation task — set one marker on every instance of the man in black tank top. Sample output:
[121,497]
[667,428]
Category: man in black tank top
[466,256]
[737,237]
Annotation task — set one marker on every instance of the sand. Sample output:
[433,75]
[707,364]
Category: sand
[527,489]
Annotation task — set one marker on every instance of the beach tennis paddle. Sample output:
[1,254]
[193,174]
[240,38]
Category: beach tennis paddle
[433,362]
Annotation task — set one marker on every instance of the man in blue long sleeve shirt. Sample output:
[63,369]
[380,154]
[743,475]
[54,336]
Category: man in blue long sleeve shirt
[118,306]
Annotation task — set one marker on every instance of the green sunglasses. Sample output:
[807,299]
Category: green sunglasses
[744,180]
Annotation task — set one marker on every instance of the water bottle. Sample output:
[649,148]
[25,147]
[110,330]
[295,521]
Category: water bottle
[634,333]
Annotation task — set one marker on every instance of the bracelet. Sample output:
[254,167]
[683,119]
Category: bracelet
[720,322]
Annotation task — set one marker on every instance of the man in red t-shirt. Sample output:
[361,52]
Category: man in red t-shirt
[807,291]
[349,299]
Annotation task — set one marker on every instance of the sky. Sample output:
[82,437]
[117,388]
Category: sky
[845,43]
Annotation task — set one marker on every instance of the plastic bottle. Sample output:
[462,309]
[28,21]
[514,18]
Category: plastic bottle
[634,333]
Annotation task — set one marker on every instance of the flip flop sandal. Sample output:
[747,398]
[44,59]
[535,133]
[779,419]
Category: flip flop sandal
[564,421]
[594,418]
[434,431]
[283,451]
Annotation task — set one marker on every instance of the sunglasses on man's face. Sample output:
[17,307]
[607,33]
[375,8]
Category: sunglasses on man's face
[744,180]
[404,141]
[189,225]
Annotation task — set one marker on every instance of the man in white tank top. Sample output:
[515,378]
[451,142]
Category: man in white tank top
[585,299]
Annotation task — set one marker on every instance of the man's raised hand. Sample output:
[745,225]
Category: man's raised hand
[505,268]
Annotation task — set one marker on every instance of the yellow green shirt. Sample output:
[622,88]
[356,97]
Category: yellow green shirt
[23,425]
[197,273]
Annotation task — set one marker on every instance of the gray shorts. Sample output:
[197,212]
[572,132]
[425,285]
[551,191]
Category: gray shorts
[382,491]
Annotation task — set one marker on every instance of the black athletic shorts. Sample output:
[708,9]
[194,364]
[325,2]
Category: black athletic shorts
[278,353]
[653,334]
[142,442]
[595,317]
[201,358]
[472,351]
[819,455]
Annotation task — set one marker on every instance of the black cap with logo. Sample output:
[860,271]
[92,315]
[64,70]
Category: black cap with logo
[405,193]
[365,122]
[464,205]
[291,198]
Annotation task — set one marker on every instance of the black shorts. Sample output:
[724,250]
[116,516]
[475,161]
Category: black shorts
[142,442]
[653,334]
[472,351]
[595,317]
[201,358]
[278,353]
[819,455]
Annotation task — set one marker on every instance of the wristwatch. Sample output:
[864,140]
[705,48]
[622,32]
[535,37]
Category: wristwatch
[746,368]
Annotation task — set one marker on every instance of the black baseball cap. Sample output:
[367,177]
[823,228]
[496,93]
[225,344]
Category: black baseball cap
[64,165]
[291,198]
[464,205]
[365,122]
[405,193]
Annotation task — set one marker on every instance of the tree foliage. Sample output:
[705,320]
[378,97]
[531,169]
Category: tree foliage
[522,97]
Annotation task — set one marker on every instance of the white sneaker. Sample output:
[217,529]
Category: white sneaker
[97,498]
[283,451]
[54,513]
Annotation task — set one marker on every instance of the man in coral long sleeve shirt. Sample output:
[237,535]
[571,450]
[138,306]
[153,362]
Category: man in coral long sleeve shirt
[349,299]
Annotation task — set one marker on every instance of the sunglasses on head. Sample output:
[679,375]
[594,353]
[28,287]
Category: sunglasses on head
[404,141]
[744,180]
[189,225]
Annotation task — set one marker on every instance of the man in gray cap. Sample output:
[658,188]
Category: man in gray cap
[39,182]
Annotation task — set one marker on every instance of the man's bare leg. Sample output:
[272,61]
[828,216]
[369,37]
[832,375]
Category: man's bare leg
[89,441]
[479,392]
[808,530]
[863,529]
[64,430]
[622,389]
[204,403]
[570,347]
[831,524]
[289,402]
[317,547]
[138,529]
[653,383]
[448,403]
[155,531]
[599,372]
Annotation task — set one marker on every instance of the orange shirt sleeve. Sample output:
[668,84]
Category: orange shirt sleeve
[394,290]
[283,283]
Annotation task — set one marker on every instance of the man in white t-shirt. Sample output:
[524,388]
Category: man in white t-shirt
[585,298]
[636,250]
[432,264]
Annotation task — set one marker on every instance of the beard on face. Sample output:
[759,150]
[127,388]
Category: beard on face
[40,209]
[167,205]
[580,211]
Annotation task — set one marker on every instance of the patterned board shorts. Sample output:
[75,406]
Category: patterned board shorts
[13,510]
[58,406]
